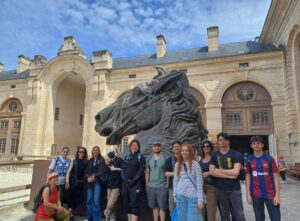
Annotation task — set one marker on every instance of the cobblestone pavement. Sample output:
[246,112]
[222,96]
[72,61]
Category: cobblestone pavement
[290,206]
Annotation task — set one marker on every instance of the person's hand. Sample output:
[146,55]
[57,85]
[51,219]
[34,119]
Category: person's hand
[200,205]
[249,199]
[67,186]
[276,200]
[91,179]
[60,209]
[112,168]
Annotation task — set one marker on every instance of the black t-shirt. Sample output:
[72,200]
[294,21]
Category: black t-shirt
[114,177]
[169,167]
[79,165]
[226,161]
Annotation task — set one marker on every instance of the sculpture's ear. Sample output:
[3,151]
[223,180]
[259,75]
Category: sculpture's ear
[167,82]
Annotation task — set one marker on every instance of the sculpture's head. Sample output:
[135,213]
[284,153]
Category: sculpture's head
[160,103]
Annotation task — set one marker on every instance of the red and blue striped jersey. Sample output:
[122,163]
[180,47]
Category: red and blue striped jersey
[261,171]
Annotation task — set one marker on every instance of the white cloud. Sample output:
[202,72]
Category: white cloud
[126,28]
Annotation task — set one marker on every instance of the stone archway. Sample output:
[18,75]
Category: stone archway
[10,125]
[247,110]
[69,113]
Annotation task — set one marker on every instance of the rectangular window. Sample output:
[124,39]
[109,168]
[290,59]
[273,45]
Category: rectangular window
[2,145]
[14,146]
[56,116]
[17,124]
[132,76]
[243,65]
[260,118]
[4,125]
[81,119]
[233,119]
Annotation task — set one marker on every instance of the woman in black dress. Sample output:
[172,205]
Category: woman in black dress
[75,179]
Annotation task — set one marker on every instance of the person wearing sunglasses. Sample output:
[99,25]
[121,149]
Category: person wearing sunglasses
[157,192]
[210,208]
[75,180]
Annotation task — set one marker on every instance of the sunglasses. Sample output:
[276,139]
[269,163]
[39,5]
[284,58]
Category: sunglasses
[81,152]
[155,163]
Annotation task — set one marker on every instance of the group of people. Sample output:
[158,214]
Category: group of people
[196,188]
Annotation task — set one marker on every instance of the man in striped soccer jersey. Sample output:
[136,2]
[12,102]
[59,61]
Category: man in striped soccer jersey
[262,182]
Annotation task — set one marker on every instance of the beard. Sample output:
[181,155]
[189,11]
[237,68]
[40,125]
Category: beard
[157,151]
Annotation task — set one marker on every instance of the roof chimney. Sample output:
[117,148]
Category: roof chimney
[213,38]
[23,63]
[161,46]
[102,60]
[1,66]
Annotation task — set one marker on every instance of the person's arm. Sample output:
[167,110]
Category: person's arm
[68,175]
[147,176]
[102,169]
[231,172]
[215,172]
[175,181]
[199,183]
[168,168]
[248,195]
[277,182]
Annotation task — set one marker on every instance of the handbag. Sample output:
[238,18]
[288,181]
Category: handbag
[174,216]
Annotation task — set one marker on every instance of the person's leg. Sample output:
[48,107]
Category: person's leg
[193,213]
[96,202]
[107,211]
[89,202]
[224,202]
[274,211]
[181,205]
[171,202]
[135,193]
[155,211]
[211,203]
[162,201]
[114,198]
[236,205]
[259,208]
[126,199]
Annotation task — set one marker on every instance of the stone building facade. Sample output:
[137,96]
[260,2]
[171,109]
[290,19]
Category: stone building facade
[247,88]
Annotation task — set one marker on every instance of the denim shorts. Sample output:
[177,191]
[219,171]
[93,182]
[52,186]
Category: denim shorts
[157,197]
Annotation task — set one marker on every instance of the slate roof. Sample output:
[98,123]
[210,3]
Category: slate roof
[13,75]
[225,50]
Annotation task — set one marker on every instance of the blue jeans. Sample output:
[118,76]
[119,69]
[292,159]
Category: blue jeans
[259,209]
[93,207]
[188,208]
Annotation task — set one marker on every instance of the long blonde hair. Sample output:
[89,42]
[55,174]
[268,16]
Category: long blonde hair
[190,158]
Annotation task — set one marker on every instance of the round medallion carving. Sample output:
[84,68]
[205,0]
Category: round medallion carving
[245,93]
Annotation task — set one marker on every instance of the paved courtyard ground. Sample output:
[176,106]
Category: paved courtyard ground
[12,206]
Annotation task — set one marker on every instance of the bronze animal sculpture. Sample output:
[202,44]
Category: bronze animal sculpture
[161,110]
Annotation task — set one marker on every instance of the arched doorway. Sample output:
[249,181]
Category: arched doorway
[10,125]
[69,113]
[247,111]
[202,103]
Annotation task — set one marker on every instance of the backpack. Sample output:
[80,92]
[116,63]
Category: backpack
[128,157]
[37,199]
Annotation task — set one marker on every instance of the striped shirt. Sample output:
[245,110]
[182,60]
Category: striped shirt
[182,185]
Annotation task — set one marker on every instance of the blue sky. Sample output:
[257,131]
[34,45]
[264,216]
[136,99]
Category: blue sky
[125,27]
